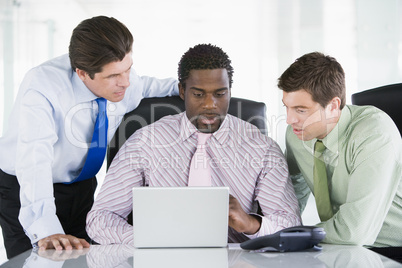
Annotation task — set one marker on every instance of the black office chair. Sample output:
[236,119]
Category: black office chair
[387,98]
[152,109]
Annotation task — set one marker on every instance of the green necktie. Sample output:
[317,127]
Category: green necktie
[321,191]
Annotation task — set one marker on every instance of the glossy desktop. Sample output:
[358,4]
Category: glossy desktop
[232,256]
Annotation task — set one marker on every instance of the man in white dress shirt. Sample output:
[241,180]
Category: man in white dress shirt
[51,127]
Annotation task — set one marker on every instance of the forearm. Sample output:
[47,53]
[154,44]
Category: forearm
[340,232]
[276,196]
[355,223]
[107,220]
[154,87]
[34,158]
[106,227]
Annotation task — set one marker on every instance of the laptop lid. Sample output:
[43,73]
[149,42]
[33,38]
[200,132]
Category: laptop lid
[166,217]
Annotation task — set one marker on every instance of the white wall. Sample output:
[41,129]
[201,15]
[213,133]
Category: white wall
[262,37]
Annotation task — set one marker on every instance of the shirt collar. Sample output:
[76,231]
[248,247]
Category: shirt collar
[187,129]
[331,141]
[81,92]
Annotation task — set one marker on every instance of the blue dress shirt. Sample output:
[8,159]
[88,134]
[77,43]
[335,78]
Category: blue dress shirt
[50,130]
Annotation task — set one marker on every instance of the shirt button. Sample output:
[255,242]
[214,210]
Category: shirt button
[111,107]
[35,236]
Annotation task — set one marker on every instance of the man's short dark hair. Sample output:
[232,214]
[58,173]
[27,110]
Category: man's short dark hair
[204,57]
[320,75]
[98,41]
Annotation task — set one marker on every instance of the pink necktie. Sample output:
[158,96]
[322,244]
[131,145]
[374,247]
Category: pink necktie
[200,169]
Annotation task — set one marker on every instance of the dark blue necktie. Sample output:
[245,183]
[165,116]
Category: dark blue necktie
[97,149]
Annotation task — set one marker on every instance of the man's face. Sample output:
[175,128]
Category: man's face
[308,119]
[206,98]
[112,82]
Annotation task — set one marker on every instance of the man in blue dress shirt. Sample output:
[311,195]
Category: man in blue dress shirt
[51,127]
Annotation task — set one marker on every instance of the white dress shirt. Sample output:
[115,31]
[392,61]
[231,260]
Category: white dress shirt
[49,133]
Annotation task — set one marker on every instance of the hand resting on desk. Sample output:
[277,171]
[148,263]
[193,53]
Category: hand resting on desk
[62,241]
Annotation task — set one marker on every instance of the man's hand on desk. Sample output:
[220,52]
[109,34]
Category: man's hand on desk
[240,220]
[62,241]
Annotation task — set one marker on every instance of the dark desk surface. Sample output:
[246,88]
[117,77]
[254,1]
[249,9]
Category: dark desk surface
[233,256]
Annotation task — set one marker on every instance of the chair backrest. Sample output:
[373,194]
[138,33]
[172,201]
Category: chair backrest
[152,109]
[387,98]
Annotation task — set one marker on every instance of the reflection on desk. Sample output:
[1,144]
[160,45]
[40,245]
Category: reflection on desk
[233,256]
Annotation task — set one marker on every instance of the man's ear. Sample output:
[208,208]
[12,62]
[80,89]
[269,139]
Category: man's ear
[335,103]
[181,91]
[81,74]
[334,107]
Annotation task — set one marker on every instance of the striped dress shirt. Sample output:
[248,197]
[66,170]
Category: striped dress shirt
[250,163]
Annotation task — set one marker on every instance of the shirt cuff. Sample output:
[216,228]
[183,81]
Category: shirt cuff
[44,227]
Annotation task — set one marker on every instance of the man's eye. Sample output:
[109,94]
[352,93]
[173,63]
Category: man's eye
[221,94]
[302,111]
[197,94]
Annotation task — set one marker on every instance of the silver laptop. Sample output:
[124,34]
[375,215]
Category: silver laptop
[167,217]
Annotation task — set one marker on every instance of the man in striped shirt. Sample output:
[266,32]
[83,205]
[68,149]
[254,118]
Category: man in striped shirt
[250,163]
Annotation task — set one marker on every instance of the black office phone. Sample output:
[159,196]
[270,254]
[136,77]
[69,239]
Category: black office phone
[289,239]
